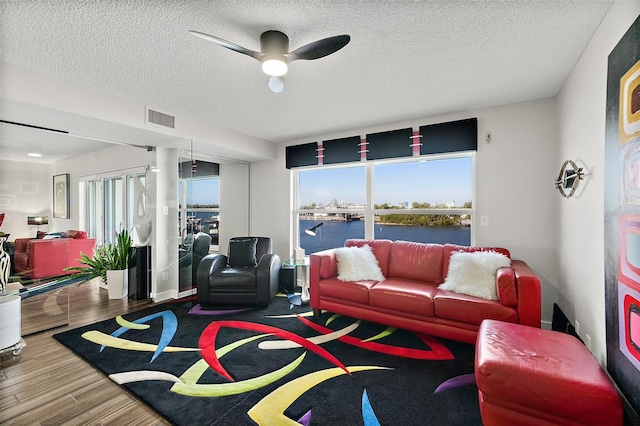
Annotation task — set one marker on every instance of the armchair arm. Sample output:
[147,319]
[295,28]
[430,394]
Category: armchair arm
[21,244]
[323,264]
[267,277]
[529,294]
[208,265]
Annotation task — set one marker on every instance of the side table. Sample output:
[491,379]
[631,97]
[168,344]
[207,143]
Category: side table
[301,265]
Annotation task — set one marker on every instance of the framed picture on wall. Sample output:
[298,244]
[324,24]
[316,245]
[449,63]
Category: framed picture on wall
[61,196]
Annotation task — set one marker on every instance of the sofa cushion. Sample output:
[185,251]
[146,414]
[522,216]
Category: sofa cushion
[52,236]
[77,234]
[358,264]
[470,309]
[242,252]
[380,250]
[416,261]
[447,249]
[474,273]
[352,291]
[404,295]
[238,278]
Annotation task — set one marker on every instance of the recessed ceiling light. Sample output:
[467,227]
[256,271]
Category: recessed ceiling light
[34,154]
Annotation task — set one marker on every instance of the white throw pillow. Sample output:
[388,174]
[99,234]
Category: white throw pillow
[358,264]
[474,273]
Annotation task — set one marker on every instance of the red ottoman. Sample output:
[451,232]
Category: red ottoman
[530,376]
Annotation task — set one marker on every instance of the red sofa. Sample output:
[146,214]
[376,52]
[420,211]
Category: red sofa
[409,297]
[41,258]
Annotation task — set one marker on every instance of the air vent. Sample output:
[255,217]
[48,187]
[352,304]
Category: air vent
[161,119]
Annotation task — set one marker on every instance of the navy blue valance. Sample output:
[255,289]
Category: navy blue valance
[440,138]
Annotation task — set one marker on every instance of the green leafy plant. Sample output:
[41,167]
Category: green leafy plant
[118,253]
[108,257]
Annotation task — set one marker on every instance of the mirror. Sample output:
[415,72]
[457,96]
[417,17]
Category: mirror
[198,216]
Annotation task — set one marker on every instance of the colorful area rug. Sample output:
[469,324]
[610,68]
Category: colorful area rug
[281,365]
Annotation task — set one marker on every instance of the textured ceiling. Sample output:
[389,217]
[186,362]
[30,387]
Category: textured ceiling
[406,59]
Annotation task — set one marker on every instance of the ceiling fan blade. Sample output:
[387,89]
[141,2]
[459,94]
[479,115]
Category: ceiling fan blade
[319,49]
[227,44]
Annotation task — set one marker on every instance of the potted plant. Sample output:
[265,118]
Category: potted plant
[109,263]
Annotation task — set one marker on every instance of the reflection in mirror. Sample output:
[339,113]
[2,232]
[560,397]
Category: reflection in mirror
[141,213]
[198,221]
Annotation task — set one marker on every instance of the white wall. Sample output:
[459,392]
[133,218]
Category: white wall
[234,203]
[25,190]
[515,176]
[581,109]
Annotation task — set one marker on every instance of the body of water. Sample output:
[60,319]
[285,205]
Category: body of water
[334,232]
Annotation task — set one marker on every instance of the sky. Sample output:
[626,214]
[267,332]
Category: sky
[434,181]
[203,191]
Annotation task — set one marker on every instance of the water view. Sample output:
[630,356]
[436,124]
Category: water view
[334,232]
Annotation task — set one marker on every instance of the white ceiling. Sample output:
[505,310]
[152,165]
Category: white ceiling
[406,59]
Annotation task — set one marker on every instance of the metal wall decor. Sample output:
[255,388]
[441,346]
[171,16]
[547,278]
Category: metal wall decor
[570,175]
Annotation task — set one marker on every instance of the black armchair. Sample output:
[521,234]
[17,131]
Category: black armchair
[190,257]
[248,275]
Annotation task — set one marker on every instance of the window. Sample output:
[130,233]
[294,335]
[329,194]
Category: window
[113,208]
[425,200]
[110,205]
[334,197]
[94,205]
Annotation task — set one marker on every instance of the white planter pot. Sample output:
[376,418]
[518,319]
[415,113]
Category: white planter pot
[10,321]
[117,284]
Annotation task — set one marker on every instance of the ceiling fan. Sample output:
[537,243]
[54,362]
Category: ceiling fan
[274,52]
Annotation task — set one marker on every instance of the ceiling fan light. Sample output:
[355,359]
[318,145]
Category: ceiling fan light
[274,67]
[276,84]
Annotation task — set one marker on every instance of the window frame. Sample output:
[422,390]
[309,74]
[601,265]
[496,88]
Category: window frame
[95,205]
[369,211]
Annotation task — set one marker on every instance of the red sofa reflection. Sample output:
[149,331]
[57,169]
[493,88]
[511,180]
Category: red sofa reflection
[42,258]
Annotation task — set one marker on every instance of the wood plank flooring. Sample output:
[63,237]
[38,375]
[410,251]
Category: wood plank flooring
[49,385]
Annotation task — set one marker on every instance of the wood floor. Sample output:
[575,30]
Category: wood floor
[48,385]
